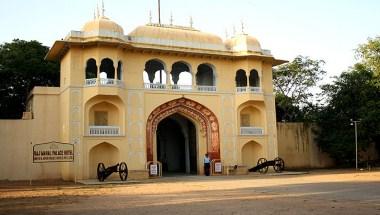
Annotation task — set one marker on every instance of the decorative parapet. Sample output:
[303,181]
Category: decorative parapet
[104,130]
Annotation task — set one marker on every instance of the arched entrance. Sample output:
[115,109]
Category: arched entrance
[105,153]
[176,145]
[250,153]
[204,117]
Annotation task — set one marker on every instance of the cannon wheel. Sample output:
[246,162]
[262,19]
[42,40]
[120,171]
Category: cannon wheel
[100,171]
[123,171]
[279,164]
[264,169]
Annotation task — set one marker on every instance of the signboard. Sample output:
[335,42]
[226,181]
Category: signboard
[153,169]
[218,167]
[53,152]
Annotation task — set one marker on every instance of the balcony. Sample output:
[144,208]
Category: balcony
[104,82]
[251,131]
[181,87]
[249,90]
[154,86]
[244,94]
[103,130]
[206,88]
[176,87]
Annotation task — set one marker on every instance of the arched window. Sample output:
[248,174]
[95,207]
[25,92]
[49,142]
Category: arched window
[205,75]
[119,70]
[241,78]
[91,69]
[155,71]
[254,79]
[251,120]
[181,74]
[104,114]
[107,67]
[250,117]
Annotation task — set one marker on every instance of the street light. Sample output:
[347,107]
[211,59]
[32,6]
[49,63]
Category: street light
[355,122]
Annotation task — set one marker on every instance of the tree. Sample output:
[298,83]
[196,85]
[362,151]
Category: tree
[22,66]
[369,54]
[293,83]
[353,95]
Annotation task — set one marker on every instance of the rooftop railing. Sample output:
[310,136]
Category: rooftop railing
[95,130]
[103,82]
[251,131]
[179,87]
[249,90]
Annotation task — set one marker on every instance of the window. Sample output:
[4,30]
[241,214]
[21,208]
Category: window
[154,72]
[180,74]
[91,69]
[205,76]
[107,67]
[241,78]
[101,118]
[254,79]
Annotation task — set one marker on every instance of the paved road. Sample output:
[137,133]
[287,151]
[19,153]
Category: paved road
[320,192]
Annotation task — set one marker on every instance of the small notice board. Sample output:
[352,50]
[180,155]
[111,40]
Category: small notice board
[218,167]
[153,169]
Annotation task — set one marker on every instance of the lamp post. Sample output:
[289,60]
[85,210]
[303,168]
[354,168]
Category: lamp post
[355,123]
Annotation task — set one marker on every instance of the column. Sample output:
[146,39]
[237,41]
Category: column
[193,81]
[168,83]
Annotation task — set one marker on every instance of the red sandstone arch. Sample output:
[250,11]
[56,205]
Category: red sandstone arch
[189,108]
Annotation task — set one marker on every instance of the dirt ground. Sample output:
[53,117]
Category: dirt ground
[319,192]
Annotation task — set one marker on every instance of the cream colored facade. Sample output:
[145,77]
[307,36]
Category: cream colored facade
[203,95]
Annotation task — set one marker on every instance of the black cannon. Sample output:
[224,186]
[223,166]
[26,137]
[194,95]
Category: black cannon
[262,165]
[121,168]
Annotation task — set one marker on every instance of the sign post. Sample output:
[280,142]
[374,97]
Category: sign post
[76,164]
[53,152]
[154,168]
[31,166]
[216,167]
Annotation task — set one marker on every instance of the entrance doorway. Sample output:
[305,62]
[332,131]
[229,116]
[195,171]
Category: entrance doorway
[176,145]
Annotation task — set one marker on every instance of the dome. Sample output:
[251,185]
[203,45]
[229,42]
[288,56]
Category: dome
[175,35]
[243,42]
[103,24]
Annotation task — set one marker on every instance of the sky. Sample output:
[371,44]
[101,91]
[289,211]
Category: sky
[326,30]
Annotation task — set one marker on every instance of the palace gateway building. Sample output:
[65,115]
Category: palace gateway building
[162,93]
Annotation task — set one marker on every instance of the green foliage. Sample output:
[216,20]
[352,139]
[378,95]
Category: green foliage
[293,82]
[353,95]
[22,66]
[369,54]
